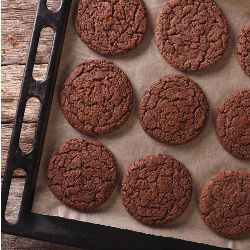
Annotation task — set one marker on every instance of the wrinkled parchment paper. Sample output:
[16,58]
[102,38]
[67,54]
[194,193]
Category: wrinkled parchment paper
[204,156]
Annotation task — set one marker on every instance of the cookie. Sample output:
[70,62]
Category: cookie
[97,97]
[82,173]
[111,27]
[174,110]
[156,190]
[225,203]
[233,125]
[243,48]
[191,35]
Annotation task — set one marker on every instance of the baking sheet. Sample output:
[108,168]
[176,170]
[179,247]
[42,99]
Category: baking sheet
[204,156]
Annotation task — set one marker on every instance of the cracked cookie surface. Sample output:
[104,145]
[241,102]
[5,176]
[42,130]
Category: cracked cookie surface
[156,189]
[97,97]
[111,26]
[233,125]
[82,173]
[225,203]
[191,34]
[243,48]
[174,110]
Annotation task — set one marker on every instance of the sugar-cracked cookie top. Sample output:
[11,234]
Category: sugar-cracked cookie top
[156,190]
[233,125]
[225,203]
[82,173]
[191,35]
[174,110]
[243,48]
[111,26]
[97,97]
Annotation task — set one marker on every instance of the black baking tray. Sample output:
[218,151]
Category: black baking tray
[51,228]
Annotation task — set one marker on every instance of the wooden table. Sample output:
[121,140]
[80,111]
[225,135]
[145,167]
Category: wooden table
[17,22]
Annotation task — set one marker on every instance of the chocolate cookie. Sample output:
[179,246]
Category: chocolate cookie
[82,173]
[174,110]
[97,97]
[156,189]
[111,26]
[243,48]
[233,125]
[225,203]
[191,35]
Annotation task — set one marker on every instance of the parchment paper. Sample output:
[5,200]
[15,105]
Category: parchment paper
[204,156]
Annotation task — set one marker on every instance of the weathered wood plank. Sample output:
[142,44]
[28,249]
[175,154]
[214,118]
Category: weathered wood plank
[11,83]
[26,141]
[12,242]
[17,23]
[14,199]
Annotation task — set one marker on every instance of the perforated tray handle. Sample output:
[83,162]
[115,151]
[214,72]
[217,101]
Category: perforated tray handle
[43,90]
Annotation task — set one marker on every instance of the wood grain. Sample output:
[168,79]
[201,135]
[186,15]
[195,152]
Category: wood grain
[17,23]
[26,141]
[14,200]
[11,82]
[13,242]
